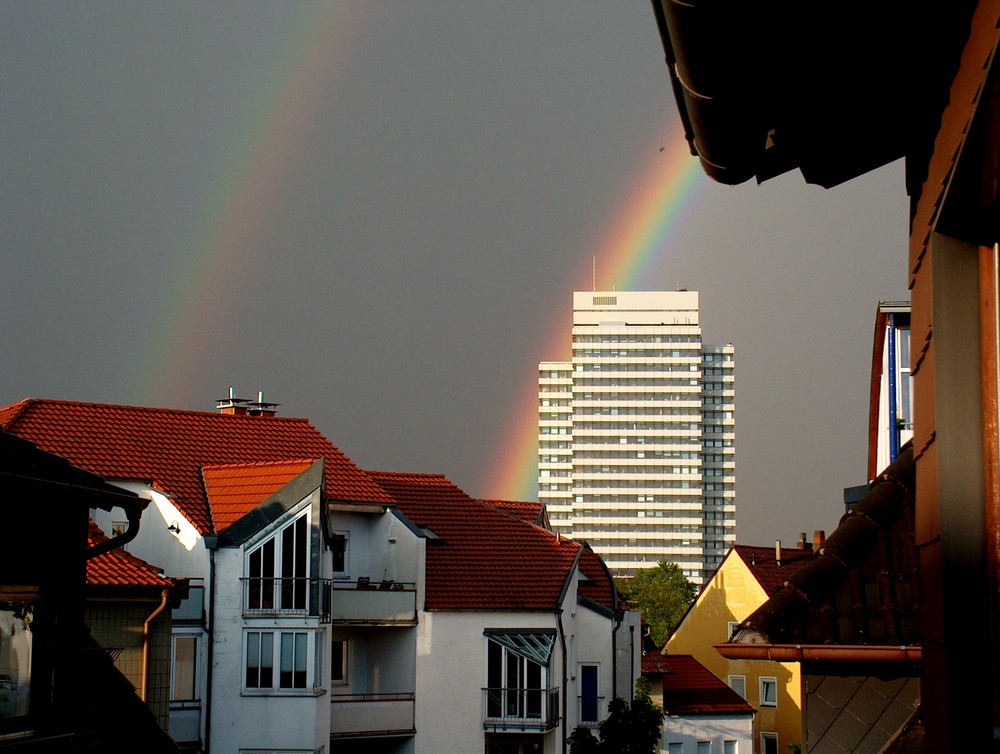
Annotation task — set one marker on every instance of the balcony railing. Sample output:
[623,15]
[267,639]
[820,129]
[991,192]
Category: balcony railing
[520,709]
[365,602]
[272,596]
[372,715]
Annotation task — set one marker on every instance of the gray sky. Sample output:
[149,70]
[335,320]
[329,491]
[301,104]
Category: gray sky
[378,212]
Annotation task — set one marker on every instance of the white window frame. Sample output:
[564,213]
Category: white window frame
[196,670]
[763,683]
[270,580]
[768,736]
[277,638]
[597,691]
[738,679]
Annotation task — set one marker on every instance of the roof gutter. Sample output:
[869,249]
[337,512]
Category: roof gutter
[133,512]
[820,652]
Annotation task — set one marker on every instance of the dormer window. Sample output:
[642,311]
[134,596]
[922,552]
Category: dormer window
[278,569]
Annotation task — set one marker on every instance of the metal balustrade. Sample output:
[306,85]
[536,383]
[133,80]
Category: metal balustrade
[280,596]
[520,709]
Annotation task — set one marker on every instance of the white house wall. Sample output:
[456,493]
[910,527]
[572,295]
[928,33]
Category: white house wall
[451,673]
[263,720]
[688,731]
[180,554]
[591,644]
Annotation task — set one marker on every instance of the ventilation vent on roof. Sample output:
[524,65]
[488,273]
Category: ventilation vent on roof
[234,406]
[605,301]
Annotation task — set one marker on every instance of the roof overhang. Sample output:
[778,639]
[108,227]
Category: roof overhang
[763,88]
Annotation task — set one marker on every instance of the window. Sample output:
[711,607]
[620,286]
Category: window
[704,747]
[184,686]
[768,691]
[516,670]
[16,650]
[675,748]
[769,743]
[729,747]
[588,694]
[278,569]
[738,683]
[338,661]
[338,546]
[286,650]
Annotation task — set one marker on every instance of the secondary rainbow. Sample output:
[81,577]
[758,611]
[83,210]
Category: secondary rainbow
[631,254]
[214,272]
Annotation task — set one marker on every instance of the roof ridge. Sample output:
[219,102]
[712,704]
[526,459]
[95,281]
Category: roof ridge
[30,402]
[249,464]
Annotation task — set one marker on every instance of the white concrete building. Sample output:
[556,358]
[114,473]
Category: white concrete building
[636,444]
[337,610]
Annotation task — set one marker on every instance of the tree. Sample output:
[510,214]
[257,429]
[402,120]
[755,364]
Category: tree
[662,594]
[628,729]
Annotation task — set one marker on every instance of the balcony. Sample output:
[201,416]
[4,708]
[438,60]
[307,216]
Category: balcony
[383,603]
[520,710]
[276,596]
[185,722]
[358,715]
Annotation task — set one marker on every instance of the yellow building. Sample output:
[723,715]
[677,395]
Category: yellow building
[742,583]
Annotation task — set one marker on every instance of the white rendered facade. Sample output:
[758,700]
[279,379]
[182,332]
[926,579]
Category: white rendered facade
[636,434]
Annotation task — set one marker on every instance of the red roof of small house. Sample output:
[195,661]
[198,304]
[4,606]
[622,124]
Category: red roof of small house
[689,688]
[119,568]
[765,568]
[169,447]
[480,558]
[236,489]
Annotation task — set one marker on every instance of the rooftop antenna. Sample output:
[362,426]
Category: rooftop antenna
[595,273]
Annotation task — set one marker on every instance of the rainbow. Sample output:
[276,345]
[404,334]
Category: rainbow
[224,250]
[632,252]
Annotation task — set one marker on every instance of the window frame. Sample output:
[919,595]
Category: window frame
[590,699]
[195,681]
[766,736]
[742,679]
[277,641]
[762,684]
[341,535]
[344,654]
[265,562]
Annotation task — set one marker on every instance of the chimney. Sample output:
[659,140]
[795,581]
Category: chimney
[804,544]
[232,405]
[819,539]
[260,408]
[777,552]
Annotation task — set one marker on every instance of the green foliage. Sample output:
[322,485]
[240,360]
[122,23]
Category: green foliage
[628,729]
[662,594]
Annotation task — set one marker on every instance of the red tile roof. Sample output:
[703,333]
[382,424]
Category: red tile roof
[526,510]
[486,559]
[765,568]
[119,568]
[169,447]
[689,688]
[236,489]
